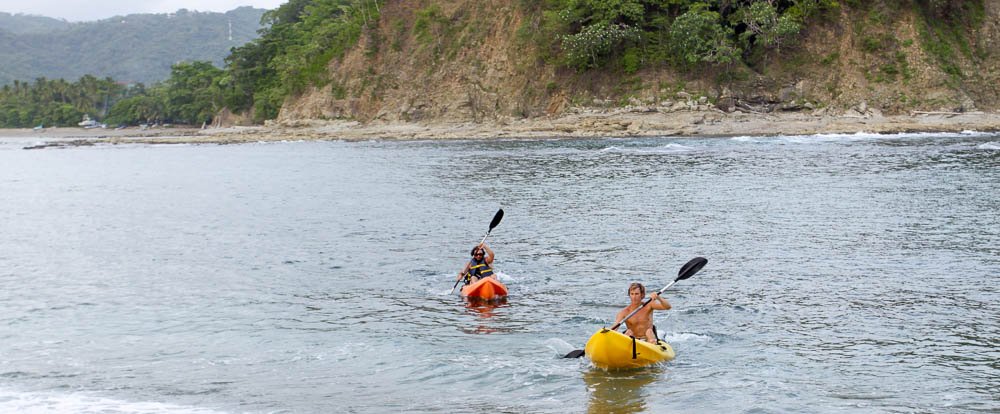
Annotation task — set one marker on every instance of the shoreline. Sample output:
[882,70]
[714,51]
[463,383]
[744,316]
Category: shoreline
[583,124]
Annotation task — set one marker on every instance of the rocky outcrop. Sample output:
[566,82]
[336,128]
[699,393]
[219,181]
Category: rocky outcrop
[467,64]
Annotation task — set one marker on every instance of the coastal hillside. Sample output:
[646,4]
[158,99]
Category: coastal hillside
[26,23]
[456,61]
[132,48]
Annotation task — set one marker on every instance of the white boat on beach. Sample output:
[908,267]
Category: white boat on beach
[90,123]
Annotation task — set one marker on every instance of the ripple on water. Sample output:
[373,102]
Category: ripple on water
[847,272]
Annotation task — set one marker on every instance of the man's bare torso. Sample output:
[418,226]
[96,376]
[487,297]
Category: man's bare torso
[639,323]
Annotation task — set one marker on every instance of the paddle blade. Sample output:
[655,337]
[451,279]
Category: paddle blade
[691,267]
[496,219]
[576,353]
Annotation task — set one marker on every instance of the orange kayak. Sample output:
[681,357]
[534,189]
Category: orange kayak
[488,288]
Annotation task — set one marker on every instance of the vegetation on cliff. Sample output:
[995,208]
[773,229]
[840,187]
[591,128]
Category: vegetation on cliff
[635,33]
[301,38]
[416,59]
[448,60]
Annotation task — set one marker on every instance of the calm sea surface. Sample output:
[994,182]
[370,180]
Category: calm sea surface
[847,273]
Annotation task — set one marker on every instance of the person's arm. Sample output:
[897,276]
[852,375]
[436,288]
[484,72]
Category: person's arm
[657,302]
[621,314]
[488,257]
[463,272]
[618,318]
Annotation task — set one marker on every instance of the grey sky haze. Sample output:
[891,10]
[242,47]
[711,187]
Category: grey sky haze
[87,10]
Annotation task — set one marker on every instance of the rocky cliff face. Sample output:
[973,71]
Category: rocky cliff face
[457,61]
[879,60]
[988,36]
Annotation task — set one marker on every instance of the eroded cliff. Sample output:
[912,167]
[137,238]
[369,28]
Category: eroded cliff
[466,61]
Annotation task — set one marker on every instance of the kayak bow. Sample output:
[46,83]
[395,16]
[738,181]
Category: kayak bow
[486,289]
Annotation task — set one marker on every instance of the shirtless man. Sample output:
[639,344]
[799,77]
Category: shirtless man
[641,324]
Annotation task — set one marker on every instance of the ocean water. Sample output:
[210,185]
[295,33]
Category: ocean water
[847,273]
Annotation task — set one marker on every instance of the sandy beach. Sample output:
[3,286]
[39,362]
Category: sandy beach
[579,124]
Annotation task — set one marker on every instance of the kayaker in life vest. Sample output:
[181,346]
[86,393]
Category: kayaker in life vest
[640,325]
[479,266]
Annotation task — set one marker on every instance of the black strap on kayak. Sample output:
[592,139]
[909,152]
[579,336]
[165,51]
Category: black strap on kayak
[633,348]
[658,338]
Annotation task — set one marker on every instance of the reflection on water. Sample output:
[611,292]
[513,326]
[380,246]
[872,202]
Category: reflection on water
[485,308]
[486,311]
[619,391]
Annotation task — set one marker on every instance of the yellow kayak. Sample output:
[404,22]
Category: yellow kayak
[614,350]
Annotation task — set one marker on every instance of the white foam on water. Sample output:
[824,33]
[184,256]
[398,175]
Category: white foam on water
[52,402]
[752,139]
[444,291]
[671,148]
[685,337]
[857,136]
[345,351]
[992,146]
[559,346]
[503,277]
[179,144]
